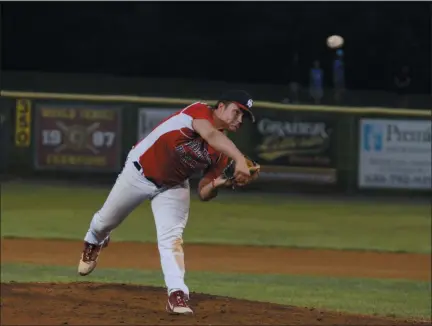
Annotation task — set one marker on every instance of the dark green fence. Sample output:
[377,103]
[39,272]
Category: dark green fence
[90,136]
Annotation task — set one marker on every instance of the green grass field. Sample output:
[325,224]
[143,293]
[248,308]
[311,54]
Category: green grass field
[54,212]
[62,212]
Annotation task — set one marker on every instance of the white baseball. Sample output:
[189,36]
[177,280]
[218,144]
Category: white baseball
[335,41]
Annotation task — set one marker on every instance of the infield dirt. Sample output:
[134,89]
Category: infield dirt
[119,304]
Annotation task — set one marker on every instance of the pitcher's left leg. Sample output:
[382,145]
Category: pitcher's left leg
[171,212]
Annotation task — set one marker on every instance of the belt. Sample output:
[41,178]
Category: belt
[140,169]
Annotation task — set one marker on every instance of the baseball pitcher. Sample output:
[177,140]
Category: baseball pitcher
[158,169]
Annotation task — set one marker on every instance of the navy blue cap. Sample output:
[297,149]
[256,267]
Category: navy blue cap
[241,98]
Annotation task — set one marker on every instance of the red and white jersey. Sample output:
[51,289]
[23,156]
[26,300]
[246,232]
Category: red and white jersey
[173,151]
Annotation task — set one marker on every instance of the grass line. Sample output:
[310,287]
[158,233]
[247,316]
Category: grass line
[229,243]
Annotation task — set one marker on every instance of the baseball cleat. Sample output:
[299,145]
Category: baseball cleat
[89,257]
[177,304]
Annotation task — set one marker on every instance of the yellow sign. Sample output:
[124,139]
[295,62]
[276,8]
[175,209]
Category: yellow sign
[23,123]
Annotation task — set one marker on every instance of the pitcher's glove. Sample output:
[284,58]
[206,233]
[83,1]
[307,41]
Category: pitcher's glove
[228,172]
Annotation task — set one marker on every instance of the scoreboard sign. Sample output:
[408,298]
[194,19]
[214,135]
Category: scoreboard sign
[77,137]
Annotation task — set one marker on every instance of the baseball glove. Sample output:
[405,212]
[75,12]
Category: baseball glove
[228,172]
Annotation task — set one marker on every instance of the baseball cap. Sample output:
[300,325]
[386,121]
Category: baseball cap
[241,98]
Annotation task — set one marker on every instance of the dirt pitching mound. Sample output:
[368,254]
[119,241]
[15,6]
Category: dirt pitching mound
[120,304]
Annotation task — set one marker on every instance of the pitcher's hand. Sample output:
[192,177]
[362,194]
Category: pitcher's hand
[242,173]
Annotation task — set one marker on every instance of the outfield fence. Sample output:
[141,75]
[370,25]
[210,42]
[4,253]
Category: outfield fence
[336,148]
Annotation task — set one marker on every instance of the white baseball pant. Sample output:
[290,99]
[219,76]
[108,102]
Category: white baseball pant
[170,210]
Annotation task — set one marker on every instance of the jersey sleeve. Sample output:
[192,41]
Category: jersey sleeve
[199,111]
[216,169]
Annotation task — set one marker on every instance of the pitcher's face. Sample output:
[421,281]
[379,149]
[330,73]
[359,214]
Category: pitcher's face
[231,115]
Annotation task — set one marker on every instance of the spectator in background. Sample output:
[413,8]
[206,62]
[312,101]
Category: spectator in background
[338,76]
[316,78]
[402,82]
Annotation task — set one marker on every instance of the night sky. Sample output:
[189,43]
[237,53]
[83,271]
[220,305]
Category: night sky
[232,41]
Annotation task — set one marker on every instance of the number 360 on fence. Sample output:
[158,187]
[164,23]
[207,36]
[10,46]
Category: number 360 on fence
[77,137]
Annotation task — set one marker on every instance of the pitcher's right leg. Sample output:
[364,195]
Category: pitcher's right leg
[127,193]
[171,212]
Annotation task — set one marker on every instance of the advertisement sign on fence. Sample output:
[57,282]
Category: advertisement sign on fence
[149,118]
[5,136]
[23,123]
[77,137]
[296,148]
[395,154]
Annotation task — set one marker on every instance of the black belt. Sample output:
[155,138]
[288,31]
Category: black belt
[139,168]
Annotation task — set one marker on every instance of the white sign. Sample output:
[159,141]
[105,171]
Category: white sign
[395,154]
[149,118]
